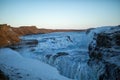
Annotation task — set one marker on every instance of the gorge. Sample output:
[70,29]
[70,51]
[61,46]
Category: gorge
[92,54]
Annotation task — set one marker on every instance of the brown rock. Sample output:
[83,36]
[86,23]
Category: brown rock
[7,35]
[24,30]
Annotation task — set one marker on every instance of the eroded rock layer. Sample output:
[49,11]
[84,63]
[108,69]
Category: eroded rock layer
[104,52]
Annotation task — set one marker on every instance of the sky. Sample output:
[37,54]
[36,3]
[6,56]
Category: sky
[60,14]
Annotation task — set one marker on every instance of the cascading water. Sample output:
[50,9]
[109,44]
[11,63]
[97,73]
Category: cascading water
[68,53]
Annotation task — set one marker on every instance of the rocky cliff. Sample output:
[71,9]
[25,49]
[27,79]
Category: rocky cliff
[7,36]
[104,52]
[10,35]
[24,30]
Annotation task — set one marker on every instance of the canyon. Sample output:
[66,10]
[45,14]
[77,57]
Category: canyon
[92,54]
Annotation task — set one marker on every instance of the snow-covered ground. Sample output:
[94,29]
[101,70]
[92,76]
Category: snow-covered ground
[19,68]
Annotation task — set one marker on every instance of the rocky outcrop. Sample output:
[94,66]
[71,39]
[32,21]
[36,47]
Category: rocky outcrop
[104,52]
[25,30]
[7,36]
[10,35]
[24,43]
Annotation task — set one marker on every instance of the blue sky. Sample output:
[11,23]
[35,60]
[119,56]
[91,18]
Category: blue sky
[60,14]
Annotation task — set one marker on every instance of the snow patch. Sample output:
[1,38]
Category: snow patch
[20,68]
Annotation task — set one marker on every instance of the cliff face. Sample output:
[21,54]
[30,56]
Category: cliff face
[7,36]
[104,52]
[10,35]
[24,30]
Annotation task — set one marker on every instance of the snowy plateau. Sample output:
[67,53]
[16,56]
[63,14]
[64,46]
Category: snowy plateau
[93,54]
